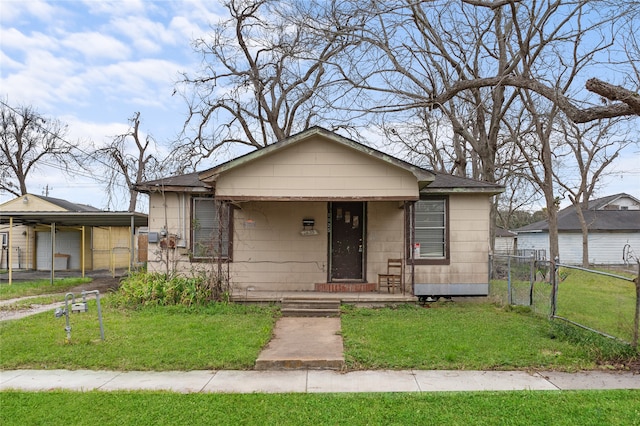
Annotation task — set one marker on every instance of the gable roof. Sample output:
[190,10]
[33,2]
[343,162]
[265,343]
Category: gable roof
[604,202]
[431,182]
[69,206]
[422,175]
[597,216]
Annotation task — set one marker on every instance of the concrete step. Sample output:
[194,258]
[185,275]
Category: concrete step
[298,307]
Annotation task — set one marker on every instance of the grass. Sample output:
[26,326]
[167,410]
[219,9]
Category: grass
[156,338]
[221,336]
[602,303]
[599,302]
[618,407]
[466,336]
[38,287]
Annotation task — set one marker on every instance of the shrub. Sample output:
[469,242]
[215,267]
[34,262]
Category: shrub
[158,289]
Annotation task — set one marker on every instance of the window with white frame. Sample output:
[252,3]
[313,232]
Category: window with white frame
[430,233]
[209,229]
[4,239]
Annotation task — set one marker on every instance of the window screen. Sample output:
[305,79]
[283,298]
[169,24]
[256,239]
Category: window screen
[210,228]
[430,229]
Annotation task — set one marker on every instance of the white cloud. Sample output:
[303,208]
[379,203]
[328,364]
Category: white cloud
[15,10]
[116,7]
[97,46]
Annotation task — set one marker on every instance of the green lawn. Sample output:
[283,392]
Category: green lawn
[473,408]
[221,336]
[154,338]
[599,302]
[38,287]
[464,336]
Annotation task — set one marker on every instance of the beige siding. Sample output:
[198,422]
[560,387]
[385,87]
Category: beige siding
[385,237]
[317,168]
[21,246]
[269,253]
[32,204]
[110,247]
[469,244]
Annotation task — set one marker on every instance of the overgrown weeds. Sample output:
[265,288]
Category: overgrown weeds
[158,289]
[601,349]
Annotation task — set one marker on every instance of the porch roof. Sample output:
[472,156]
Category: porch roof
[86,218]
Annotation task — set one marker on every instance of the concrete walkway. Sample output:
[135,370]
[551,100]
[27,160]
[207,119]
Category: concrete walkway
[303,343]
[313,381]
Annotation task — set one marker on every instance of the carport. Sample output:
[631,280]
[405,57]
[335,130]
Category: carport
[80,220]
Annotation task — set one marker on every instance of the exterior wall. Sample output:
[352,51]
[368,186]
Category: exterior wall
[604,248]
[505,245]
[22,245]
[110,247]
[67,244]
[468,270]
[32,204]
[385,238]
[269,252]
[624,203]
[317,168]
[170,212]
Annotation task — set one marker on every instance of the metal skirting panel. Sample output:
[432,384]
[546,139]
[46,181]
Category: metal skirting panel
[458,289]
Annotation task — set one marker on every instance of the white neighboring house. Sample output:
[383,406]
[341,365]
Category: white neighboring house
[614,225]
[505,241]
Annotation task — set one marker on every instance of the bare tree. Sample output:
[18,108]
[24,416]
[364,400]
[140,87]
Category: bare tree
[591,148]
[128,160]
[263,77]
[27,141]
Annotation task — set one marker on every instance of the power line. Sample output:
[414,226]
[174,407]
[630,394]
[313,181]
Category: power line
[74,146]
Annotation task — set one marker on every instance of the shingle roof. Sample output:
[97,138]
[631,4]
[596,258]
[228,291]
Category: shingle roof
[438,183]
[69,206]
[599,219]
[449,183]
[189,180]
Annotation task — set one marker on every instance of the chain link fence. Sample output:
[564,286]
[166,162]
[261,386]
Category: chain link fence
[521,281]
[600,301]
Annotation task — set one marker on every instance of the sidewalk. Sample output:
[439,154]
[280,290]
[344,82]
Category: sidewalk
[313,381]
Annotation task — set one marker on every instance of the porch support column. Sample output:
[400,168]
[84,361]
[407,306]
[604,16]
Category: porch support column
[10,256]
[53,250]
[131,244]
[82,251]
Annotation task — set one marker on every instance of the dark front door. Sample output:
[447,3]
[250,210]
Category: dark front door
[346,241]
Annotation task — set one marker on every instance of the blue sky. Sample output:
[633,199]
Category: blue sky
[92,64]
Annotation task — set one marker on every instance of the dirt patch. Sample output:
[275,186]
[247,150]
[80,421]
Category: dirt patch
[102,284]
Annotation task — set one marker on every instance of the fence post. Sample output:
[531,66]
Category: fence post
[509,299]
[532,278]
[554,285]
[637,317]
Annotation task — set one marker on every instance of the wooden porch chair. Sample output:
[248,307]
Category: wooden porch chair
[393,277]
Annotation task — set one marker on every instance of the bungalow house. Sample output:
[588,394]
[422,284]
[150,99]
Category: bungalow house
[84,237]
[613,223]
[320,212]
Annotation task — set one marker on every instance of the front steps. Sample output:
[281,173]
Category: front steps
[306,307]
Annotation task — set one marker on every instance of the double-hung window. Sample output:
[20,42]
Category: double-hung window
[210,229]
[431,230]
